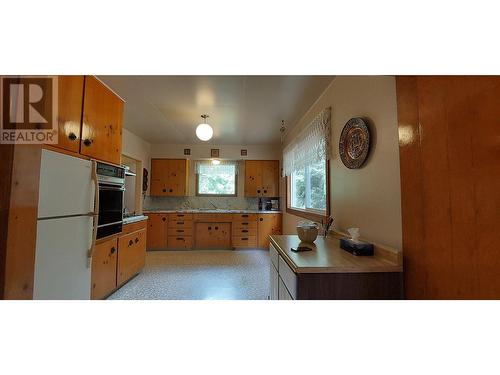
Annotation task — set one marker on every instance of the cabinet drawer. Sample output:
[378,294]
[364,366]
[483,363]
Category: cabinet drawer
[245,225]
[180,224]
[273,254]
[178,242]
[180,217]
[180,231]
[134,227]
[244,217]
[283,293]
[212,218]
[250,241]
[288,277]
[244,232]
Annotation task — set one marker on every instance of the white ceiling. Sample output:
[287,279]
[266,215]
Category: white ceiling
[243,110]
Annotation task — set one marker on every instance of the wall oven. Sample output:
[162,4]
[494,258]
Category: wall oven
[111,180]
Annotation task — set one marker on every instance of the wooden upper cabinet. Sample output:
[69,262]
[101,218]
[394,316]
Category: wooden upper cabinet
[69,116]
[261,178]
[268,224]
[104,263]
[169,177]
[102,122]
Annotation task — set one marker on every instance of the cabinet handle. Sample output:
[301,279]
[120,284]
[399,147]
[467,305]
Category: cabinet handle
[113,250]
[244,215]
[164,190]
[164,219]
[258,191]
[87,142]
[180,223]
[209,228]
[180,239]
[216,228]
[136,240]
[244,231]
[180,230]
[261,219]
[265,191]
[244,223]
[180,215]
[170,190]
[72,136]
[130,243]
[244,239]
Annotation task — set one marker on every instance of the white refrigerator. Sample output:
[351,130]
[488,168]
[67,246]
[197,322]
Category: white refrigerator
[65,227]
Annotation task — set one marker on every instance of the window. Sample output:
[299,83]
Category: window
[305,164]
[216,180]
[308,188]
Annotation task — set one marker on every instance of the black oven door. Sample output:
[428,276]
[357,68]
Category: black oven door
[110,210]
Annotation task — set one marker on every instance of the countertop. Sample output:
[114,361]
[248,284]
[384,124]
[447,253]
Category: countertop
[215,211]
[134,219]
[328,257]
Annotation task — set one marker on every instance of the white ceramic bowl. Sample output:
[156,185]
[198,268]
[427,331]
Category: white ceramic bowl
[307,234]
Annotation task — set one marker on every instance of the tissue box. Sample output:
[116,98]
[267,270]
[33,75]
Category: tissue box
[356,248]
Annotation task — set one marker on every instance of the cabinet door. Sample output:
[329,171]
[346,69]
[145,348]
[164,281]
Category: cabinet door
[157,231]
[69,116]
[102,122]
[274,281]
[253,178]
[131,255]
[270,178]
[213,235]
[159,171]
[104,269]
[268,224]
[177,178]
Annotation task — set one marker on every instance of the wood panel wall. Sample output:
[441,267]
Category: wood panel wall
[449,135]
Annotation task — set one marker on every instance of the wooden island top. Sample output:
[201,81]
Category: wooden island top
[328,257]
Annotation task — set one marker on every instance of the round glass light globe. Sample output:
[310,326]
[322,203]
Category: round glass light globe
[204,132]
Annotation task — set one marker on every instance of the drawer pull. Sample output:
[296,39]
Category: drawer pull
[180,215]
[180,239]
[180,223]
[244,231]
[180,230]
[244,239]
[244,215]
[244,223]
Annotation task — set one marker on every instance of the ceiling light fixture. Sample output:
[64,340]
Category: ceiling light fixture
[204,131]
[215,161]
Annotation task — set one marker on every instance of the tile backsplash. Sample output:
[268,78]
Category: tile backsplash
[187,203]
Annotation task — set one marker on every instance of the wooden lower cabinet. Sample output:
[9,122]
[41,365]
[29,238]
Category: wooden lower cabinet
[131,255]
[213,235]
[267,225]
[104,263]
[157,231]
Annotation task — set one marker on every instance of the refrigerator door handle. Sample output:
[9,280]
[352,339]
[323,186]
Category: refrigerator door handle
[94,214]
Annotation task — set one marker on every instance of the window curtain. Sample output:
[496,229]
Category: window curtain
[225,167]
[311,146]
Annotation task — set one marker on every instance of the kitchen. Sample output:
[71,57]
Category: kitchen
[230,187]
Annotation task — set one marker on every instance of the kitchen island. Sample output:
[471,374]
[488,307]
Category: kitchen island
[328,272]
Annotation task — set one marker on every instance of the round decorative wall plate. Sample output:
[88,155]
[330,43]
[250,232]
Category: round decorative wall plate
[354,143]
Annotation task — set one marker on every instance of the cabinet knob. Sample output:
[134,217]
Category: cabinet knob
[136,240]
[164,219]
[216,228]
[209,228]
[265,191]
[113,250]
[170,190]
[72,136]
[261,219]
[87,142]
[164,190]
[258,191]
[130,243]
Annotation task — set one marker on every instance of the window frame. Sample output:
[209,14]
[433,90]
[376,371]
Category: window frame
[309,213]
[197,185]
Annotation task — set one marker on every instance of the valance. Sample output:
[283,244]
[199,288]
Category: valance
[310,146]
